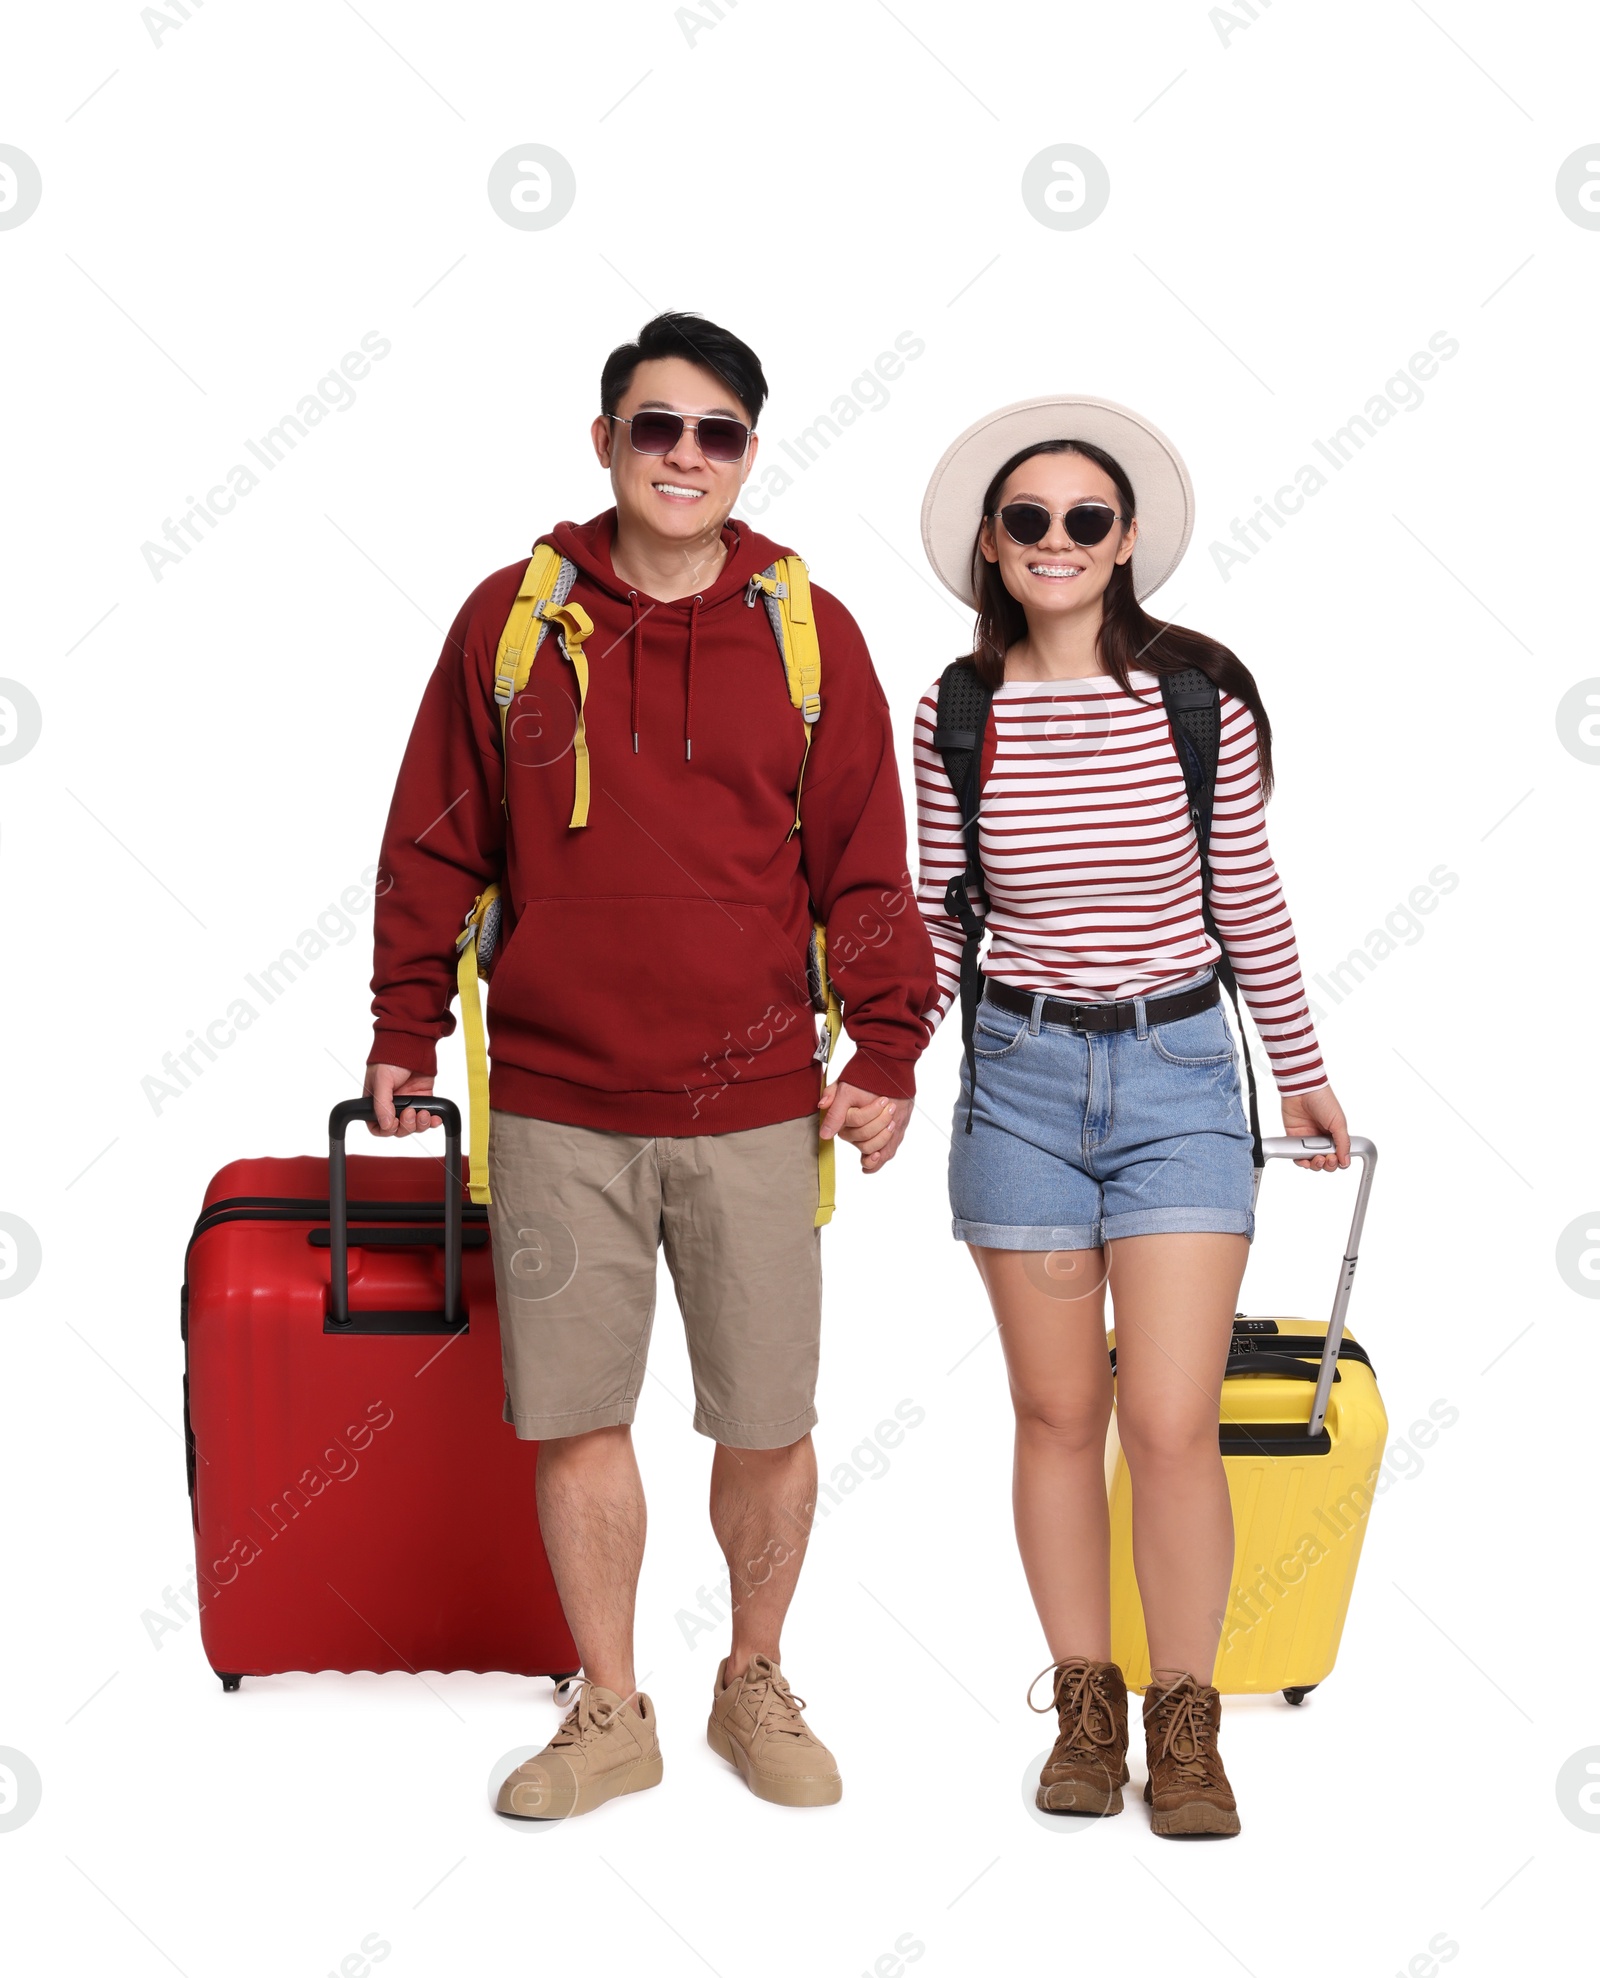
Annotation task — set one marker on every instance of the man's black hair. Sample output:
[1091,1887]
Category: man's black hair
[678,333]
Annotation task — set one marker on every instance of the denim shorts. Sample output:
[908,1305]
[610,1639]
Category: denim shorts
[1080,1137]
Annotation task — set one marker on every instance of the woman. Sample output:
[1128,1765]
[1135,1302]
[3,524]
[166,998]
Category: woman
[1104,1141]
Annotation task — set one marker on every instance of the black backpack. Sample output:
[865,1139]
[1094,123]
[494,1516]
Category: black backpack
[1194,712]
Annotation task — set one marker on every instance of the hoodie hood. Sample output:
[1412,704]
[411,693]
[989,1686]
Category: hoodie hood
[588,546]
[675,624]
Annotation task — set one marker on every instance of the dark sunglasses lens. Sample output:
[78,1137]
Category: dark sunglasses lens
[722,440]
[1026,522]
[655,432]
[1089,523]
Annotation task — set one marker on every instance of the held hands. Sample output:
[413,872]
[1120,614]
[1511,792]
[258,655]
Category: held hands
[872,1125]
[1318,1111]
[395,1093]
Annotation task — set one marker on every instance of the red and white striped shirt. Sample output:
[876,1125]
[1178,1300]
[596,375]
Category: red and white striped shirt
[1091,862]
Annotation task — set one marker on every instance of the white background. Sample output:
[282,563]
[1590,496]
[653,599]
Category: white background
[1298,203]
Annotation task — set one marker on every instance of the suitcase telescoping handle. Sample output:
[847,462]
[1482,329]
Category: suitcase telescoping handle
[1285,1149]
[339,1120]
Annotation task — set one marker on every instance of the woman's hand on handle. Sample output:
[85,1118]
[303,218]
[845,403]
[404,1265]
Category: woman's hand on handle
[1317,1112]
[394,1092]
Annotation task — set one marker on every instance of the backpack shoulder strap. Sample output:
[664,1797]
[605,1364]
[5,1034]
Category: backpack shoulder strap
[475,949]
[960,725]
[514,657]
[825,1002]
[540,603]
[785,587]
[1194,710]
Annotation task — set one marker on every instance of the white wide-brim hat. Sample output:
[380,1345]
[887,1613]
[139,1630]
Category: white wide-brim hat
[1163,495]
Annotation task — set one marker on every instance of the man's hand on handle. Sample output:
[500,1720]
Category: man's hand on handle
[872,1125]
[395,1093]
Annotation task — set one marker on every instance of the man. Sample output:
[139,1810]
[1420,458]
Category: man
[655,1076]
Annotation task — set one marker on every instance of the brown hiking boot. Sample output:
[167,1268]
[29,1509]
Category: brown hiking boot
[1187,1790]
[1088,1765]
[604,1748]
[756,1725]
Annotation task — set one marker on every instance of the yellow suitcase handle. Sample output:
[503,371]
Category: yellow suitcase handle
[1283,1148]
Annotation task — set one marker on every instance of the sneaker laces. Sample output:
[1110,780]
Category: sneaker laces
[1190,1737]
[586,1719]
[1081,1702]
[776,1708]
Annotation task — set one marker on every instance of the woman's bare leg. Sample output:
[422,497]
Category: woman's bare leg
[1174,1298]
[1050,1308]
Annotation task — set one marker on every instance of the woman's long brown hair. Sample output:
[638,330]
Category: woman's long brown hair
[1129,636]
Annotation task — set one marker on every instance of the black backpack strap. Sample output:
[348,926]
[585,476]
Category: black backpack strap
[1193,702]
[959,728]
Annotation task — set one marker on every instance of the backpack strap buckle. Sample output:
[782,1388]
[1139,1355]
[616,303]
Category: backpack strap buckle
[505,682]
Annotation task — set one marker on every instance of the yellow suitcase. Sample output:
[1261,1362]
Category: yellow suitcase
[1302,1434]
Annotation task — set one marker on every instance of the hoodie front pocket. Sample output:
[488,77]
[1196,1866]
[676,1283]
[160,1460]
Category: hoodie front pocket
[645,993]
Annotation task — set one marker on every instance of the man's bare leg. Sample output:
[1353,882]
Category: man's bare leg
[762,1502]
[592,1517]
[761,1507]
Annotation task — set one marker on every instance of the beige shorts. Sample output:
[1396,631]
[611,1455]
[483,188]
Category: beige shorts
[577,1217]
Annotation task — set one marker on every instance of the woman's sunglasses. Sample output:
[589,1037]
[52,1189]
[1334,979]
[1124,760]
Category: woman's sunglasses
[1028,522]
[720,439]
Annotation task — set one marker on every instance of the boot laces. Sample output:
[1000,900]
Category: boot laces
[1190,1737]
[585,1720]
[1081,1703]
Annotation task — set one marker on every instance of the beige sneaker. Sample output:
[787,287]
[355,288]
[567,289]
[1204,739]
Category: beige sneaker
[604,1748]
[756,1725]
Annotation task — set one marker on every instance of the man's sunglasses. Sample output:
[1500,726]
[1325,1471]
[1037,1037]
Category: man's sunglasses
[1028,522]
[720,439]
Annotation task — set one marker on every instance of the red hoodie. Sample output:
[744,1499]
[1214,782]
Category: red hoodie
[651,975]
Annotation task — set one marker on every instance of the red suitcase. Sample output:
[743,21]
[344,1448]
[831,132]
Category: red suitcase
[358,1501]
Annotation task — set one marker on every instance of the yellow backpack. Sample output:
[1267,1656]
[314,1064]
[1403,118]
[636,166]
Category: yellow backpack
[541,606]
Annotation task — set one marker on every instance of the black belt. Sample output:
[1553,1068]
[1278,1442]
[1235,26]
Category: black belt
[1104,1016]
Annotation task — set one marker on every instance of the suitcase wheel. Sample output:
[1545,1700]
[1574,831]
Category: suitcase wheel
[230,1682]
[1299,1693]
[563,1687]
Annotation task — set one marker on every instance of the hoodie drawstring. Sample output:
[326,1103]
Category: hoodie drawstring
[633,719]
[688,689]
[636,639]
